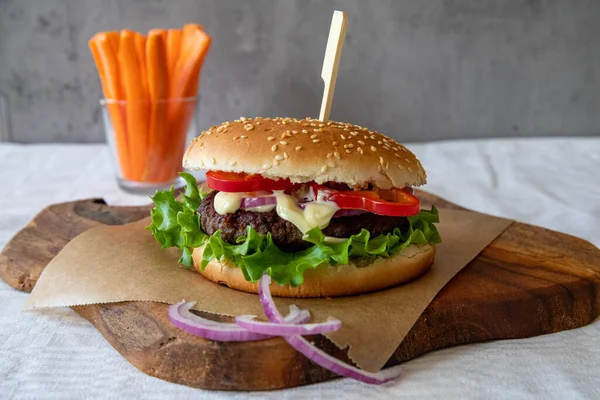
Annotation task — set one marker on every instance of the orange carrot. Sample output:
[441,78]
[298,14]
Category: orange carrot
[113,39]
[184,82]
[140,49]
[158,88]
[173,48]
[137,105]
[195,47]
[108,69]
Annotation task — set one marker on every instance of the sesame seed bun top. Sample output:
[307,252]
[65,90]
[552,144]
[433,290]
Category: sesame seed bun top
[305,150]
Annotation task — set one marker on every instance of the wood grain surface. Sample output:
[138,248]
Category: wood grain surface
[529,281]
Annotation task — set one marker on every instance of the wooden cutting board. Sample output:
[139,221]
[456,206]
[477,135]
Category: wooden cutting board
[529,281]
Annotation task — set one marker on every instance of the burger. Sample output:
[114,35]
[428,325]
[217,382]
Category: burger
[325,208]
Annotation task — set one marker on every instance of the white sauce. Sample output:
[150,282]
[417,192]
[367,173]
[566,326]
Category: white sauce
[227,203]
[315,214]
[265,208]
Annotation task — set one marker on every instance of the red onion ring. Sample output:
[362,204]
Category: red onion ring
[250,202]
[315,354]
[249,323]
[181,317]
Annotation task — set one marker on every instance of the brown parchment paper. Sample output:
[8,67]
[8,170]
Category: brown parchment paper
[121,263]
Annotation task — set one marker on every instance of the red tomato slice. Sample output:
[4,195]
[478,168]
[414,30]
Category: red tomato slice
[240,182]
[403,203]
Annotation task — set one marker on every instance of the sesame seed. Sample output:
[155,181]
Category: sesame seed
[257,122]
[321,125]
[243,137]
[314,136]
[324,168]
[329,155]
[397,155]
[278,123]
[399,166]
[276,161]
[407,160]
[316,140]
[285,155]
[328,123]
[304,131]
[379,142]
[343,137]
[381,160]
[346,129]
[361,142]
[271,138]
[336,155]
[313,124]
[243,119]
[409,169]
[248,127]
[298,148]
[385,146]
[354,133]
[212,160]
[274,147]
[350,146]
[366,137]
[233,163]
[282,142]
[236,138]
[348,151]
[395,148]
[335,143]
[373,148]
[220,129]
[209,132]
[294,132]
[237,120]
[286,134]
[330,164]
[372,137]
[267,119]
[317,130]
[360,150]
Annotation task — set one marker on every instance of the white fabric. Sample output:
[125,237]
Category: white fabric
[553,183]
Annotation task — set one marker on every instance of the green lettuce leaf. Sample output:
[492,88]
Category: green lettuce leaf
[176,223]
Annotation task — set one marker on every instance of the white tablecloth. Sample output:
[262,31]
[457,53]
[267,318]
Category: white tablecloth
[548,182]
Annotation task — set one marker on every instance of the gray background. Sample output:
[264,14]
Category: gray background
[416,70]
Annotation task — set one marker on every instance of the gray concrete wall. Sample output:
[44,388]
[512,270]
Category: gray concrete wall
[417,70]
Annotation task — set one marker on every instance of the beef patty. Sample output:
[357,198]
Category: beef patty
[285,234]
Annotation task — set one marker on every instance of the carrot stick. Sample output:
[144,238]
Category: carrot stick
[158,88]
[137,105]
[184,82]
[173,48]
[140,50]
[113,39]
[196,45]
[108,69]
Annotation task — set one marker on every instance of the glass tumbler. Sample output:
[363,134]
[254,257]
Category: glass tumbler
[147,139]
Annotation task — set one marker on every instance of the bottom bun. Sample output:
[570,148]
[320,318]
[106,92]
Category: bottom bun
[328,281]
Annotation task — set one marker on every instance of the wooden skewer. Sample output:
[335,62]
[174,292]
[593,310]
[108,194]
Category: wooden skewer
[331,63]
